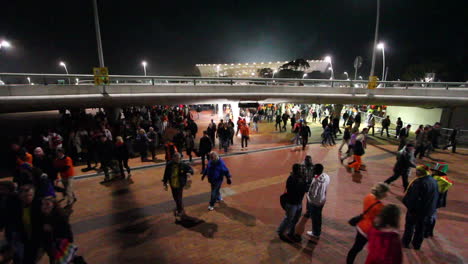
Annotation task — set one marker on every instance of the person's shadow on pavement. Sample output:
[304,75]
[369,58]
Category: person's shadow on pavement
[197,225]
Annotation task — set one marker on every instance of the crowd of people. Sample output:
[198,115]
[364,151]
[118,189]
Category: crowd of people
[38,224]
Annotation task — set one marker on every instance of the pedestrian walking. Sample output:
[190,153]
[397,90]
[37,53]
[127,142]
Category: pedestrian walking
[153,142]
[371,122]
[405,161]
[372,207]
[452,141]
[305,134]
[64,165]
[384,239]
[105,151]
[385,125]
[177,175]
[122,156]
[204,148]
[399,126]
[403,136]
[346,138]
[245,135]
[216,171]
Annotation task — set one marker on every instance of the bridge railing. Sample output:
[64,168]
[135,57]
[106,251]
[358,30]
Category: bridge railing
[88,79]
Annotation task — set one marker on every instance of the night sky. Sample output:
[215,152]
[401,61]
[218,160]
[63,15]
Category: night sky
[173,36]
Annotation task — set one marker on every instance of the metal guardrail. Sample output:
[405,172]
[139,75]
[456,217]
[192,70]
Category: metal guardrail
[81,79]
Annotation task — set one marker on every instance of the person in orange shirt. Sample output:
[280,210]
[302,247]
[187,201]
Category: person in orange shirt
[372,207]
[244,129]
[64,166]
[22,155]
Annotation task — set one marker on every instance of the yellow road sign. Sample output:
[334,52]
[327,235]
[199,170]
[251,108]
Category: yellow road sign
[101,75]
[372,82]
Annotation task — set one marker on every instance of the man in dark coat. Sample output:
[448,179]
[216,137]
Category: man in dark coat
[305,134]
[405,161]
[421,202]
[204,148]
[177,176]
[105,151]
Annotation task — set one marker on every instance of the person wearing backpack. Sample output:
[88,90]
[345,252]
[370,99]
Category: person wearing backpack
[372,207]
[316,197]
[405,161]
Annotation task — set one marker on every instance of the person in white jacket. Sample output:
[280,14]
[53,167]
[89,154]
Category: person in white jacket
[316,197]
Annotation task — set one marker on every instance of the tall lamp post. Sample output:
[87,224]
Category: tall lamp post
[144,66]
[329,60]
[381,46]
[347,75]
[376,34]
[29,80]
[66,70]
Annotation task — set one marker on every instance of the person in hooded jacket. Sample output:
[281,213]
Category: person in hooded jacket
[122,155]
[316,197]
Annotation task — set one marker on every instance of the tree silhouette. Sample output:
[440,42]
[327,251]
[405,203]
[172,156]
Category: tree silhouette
[265,73]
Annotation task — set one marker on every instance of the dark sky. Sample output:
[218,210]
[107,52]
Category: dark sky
[173,36]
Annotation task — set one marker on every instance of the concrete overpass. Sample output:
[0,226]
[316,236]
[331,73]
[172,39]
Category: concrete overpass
[127,90]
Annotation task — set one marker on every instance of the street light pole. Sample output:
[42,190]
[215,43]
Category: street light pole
[347,75]
[66,70]
[144,66]
[381,46]
[98,33]
[29,80]
[329,60]
[375,38]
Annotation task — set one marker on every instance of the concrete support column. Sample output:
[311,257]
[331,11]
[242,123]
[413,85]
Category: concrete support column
[220,111]
[235,112]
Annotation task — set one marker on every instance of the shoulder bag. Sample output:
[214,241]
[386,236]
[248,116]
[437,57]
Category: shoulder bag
[355,220]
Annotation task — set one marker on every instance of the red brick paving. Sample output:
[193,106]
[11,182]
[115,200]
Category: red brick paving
[132,223]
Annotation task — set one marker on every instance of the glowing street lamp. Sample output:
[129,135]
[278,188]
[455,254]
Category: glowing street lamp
[4,44]
[77,81]
[347,75]
[274,72]
[303,76]
[381,46]
[29,80]
[144,66]
[64,66]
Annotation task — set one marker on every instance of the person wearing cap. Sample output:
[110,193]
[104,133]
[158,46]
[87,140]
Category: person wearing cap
[439,173]
[405,161]
[421,202]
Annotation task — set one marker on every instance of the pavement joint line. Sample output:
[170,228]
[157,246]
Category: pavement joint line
[161,164]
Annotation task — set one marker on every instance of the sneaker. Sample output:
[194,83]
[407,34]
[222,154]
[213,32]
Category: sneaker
[210,208]
[311,234]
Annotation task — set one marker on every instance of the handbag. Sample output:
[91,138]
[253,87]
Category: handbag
[283,200]
[355,220]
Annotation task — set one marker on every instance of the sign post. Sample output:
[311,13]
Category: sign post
[101,75]
[372,82]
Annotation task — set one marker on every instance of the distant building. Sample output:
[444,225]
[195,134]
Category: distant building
[251,69]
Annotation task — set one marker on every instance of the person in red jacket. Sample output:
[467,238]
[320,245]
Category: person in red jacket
[384,241]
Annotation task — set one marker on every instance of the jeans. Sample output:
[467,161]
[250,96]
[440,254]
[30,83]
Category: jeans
[315,213]
[123,164]
[386,129]
[203,157]
[414,230]
[215,192]
[177,196]
[244,140]
[359,244]
[68,186]
[345,141]
[404,173]
[305,140]
[293,213]
[105,165]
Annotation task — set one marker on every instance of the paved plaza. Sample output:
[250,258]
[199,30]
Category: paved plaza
[132,222]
